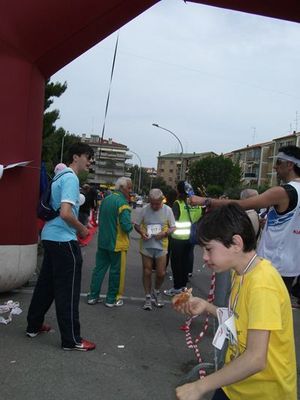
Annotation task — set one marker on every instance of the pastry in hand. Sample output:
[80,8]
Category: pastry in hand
[183,297]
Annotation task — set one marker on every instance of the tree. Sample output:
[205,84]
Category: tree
[219,172]
[146,181]
[83,176]
[52,137]
[160,183]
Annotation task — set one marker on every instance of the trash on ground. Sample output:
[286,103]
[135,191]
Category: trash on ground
[11,308]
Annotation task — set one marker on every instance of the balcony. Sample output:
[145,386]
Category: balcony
[251,175]
[114,156]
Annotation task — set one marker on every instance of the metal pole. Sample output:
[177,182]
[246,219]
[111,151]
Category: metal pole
[62,147]
[173,134]
[140,178]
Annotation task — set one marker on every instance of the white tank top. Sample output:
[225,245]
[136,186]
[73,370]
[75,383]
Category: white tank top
[280,239]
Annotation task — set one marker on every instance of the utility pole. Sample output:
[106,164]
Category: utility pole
[181,177]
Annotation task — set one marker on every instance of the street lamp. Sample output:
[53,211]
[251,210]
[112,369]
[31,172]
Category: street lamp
[140,172]
[62,147]
[173,134]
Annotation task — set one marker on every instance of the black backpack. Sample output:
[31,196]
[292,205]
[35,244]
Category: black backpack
[45,211]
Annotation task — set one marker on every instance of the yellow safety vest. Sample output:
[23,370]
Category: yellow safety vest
[184,223]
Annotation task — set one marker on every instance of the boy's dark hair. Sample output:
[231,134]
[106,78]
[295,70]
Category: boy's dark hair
[79,149]
[223,223]
[292,151]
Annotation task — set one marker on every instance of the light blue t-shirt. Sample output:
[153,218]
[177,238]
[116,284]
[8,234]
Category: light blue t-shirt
[65,189]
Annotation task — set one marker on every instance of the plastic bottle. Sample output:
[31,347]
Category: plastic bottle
[188,189]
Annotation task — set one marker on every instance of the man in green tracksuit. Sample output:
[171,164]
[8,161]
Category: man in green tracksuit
[113,242]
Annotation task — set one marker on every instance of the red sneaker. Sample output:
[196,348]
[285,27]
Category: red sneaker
[85,345]
[44,328]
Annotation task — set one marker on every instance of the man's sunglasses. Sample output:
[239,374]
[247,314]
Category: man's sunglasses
[279,161]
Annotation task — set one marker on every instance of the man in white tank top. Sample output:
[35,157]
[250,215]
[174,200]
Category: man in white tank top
[280,239]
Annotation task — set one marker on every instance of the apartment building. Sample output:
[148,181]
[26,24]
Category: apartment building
[174,166]
[110,160]
[151,172]
[257,161]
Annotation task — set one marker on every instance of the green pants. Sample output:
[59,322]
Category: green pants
[115,261]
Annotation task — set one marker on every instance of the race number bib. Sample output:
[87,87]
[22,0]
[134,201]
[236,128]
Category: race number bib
[226,329]
[153,229]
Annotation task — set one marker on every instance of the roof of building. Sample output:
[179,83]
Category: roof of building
[290,135]
[95,139]
[187,155]
[253,146]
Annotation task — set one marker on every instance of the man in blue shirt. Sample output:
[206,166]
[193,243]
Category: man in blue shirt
[60,276]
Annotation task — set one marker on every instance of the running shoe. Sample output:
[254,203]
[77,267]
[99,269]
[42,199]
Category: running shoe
[173,292]
[91,301]
[85,345]
[157,298]
[148,305]
[43,329]
[118,303]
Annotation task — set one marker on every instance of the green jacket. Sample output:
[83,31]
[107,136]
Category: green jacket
[114,223]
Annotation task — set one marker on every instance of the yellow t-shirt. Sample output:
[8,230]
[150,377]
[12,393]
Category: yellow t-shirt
[264,303]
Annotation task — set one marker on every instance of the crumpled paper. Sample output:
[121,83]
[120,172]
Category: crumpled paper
[8,166]
[12,308]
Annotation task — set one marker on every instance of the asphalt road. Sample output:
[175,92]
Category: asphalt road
[140,354]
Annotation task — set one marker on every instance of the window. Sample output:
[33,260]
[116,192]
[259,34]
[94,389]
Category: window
[290,143]
[171,171]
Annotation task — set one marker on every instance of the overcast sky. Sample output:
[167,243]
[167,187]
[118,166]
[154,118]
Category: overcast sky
[218,79]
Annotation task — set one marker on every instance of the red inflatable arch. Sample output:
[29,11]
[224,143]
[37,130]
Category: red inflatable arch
[37,38]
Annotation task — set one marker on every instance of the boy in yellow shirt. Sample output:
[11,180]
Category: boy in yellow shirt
[260,361]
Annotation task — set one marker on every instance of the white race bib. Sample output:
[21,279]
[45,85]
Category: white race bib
[153,229]
[226,328]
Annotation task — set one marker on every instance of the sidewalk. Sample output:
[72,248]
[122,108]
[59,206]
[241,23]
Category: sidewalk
[140,355]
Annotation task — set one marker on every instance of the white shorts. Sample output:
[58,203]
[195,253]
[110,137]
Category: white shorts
[153,253]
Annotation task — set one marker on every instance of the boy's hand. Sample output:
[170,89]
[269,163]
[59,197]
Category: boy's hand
[194,306]
[190,391]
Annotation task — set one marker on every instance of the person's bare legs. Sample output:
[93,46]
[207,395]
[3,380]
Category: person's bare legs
[159,279]
[160,271]
[147,281]
[147,274]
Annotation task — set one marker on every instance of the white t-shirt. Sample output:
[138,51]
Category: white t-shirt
[155,222]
